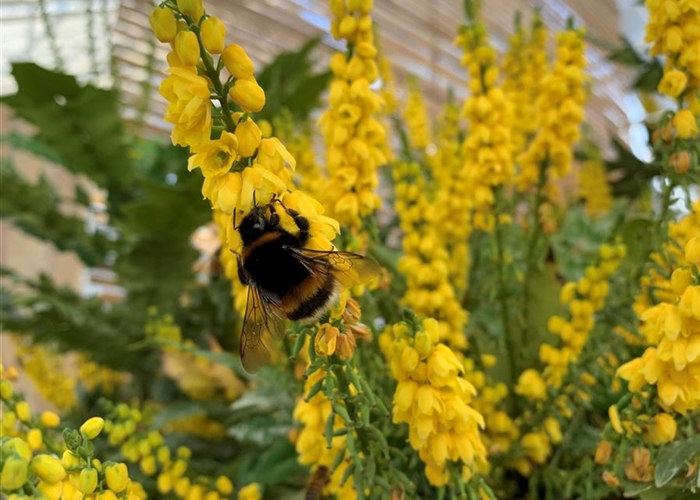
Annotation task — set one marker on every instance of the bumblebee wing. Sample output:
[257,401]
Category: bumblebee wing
[260,324]
[350,269]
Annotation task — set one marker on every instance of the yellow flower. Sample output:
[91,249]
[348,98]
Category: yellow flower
[216,158]
[692,252]
[663,429]
[326,340]
[248,95]
[189,107]
[531,385]
[685,123]
[673,83]
[187,48]
[163,24]
[237,62]
[603,452]
[23,411]
[213,34]
[249,137]
[191,8]
[35,439]
[224,485]
[250,492]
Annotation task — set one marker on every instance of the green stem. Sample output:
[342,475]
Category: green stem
[48,27]
[503,300]
[530,255]
[213,75]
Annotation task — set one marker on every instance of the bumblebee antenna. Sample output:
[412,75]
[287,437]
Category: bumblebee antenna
[255,203]
[234,220]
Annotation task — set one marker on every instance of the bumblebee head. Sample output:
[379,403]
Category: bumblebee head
[254,224]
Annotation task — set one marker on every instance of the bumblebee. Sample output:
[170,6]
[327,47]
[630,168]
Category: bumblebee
[287,280]
[317,482]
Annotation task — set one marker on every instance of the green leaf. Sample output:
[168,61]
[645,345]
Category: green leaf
[35,208]
[81,124]
[673,457]
[631,175]
[626,55]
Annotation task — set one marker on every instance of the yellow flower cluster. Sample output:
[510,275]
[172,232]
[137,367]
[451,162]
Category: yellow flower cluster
[239,165]
[594,187]
[674,32]
[416,118]
[672,328]
[46,368]
[124,427]
[94,376]
[584,299]
[424,263]
[487,149]
[655,286]
[434,399]
[30,463]
[356,141]
[523,66]
[452,206]
[560,101]
[313,415]
[536,446]
[501,431]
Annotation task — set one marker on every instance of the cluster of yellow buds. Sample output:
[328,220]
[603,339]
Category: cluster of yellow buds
[560,101]
[672,362]
[239,165]
[416,117]
[94,376]
[594,187]
[27,464]
[584,299]
[523,66]
[487,150]
[45,366]
[453,208]
[536,446]
[355,139]
[424,263]
[434,399]
[313,413]
[674,32]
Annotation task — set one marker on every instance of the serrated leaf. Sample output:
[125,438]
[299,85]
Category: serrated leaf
[673,457]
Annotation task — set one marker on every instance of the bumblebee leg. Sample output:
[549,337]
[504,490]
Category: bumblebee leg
[302,223]
[242,273]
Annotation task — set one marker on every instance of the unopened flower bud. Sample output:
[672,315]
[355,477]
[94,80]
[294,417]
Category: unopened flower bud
[692,251]
[48,468]
[23,411]
[249,137]
[163,24]
[237,62]
[117,476]
[213,35]
[680,162]
[14,473]
[686,124]
[92,427]
[248,95]
[87,481]
[187,48]
[224,485]
[603,452]
[50,420]
[192,8]
[35,439]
